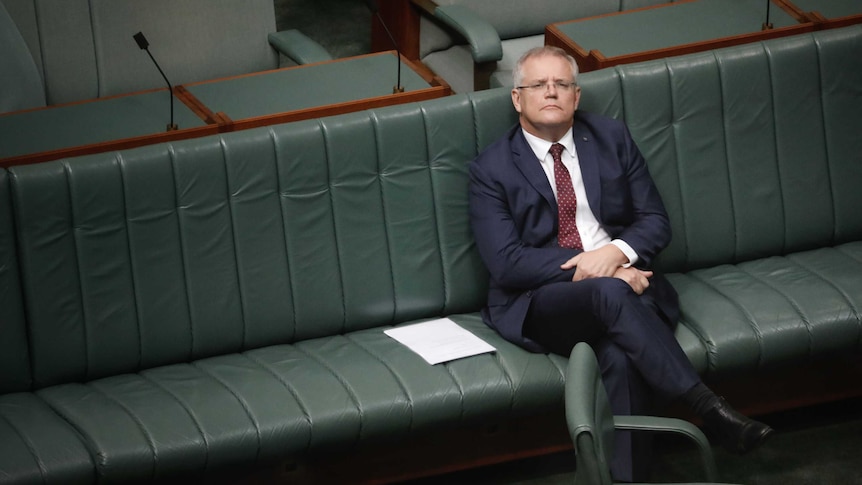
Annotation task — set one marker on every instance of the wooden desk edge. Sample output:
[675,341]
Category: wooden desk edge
[112,145]
[591,60]
[337,109]
[594,59]
[600,61]
[218,122]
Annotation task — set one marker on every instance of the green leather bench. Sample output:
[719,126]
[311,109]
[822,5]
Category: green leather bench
[64,51]
[218,304]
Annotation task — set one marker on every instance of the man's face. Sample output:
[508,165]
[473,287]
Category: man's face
[546,111]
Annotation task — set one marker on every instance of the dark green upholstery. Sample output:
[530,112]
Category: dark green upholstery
[176,309]
[221,301]
[14,359]
[756,151]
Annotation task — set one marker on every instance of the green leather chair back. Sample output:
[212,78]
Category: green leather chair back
[214,245]
[20,82]
[700,121]
[84,48]
[14,358]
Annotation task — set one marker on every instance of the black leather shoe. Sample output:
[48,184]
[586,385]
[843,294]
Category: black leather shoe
[735,432]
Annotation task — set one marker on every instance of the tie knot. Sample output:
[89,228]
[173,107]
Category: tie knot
[556,151]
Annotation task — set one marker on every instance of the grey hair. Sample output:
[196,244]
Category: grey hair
[545,50]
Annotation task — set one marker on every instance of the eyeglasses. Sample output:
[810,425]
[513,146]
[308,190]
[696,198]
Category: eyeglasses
[543,86]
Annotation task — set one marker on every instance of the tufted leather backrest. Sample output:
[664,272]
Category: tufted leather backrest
[173,252]
[20,81]
[84,48]
[14,361]
[755,149]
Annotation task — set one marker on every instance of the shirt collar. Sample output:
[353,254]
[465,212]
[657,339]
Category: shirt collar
[541,147]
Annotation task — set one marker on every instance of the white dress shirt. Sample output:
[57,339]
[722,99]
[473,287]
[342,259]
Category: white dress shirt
[593,235]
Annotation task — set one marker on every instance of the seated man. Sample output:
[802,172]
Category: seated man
[567,221]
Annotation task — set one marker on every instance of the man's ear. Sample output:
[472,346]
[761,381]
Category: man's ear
[577,97]
[516,100]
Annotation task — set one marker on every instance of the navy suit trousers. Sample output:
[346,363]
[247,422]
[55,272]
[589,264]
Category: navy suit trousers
[634,342]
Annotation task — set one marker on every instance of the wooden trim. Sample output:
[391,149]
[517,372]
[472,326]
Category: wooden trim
[438,89]
[594,59]
[220,122]
[113,145]
[336,109]
[402,18]
[599,61]
[823,23]
[793,11]
[196,106]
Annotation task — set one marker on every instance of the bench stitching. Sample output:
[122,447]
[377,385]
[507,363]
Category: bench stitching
[131,260]
[391,370]
[786,296]
[742,310]
[67,169]
[188,412]
[30,446]
[350,392]
[182,251]
[147,436]
[384,213]
[243,403]
[280,194]
[335,231]
[302,406]
[236,256]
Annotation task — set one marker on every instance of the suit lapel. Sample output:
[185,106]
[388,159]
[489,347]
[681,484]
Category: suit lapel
[589,160]
[524,158]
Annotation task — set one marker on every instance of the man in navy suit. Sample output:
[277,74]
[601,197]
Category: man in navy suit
[568,220]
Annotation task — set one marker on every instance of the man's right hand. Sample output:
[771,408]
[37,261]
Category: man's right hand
[637,279]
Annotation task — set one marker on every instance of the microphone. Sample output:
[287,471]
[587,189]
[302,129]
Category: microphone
[766,25]
[372,5]
[143,44]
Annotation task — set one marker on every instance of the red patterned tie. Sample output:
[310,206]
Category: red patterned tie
[566,202]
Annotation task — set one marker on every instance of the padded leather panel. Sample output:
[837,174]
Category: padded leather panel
[14,358]
[321,394]
[199,304]
[68,53]
[191,40]
[773,311]
[748,172]
[37,446]
[271,260]
[84,49]
[701,122]
[20,85]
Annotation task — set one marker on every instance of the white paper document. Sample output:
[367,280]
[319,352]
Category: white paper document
[439,340]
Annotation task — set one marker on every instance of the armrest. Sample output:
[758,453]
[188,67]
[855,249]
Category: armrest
[671,425]
[483,38]
[298,47]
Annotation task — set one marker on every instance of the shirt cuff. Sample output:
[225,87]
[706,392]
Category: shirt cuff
[627,251]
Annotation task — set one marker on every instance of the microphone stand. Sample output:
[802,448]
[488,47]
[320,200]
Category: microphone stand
[372,5]
[144,45]
[766,25]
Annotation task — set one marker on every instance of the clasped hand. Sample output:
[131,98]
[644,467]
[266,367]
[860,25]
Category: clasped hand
[607,261]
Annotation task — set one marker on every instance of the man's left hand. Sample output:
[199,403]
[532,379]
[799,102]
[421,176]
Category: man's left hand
[604,261]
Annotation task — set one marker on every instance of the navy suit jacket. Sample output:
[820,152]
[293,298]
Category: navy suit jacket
[513,214]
